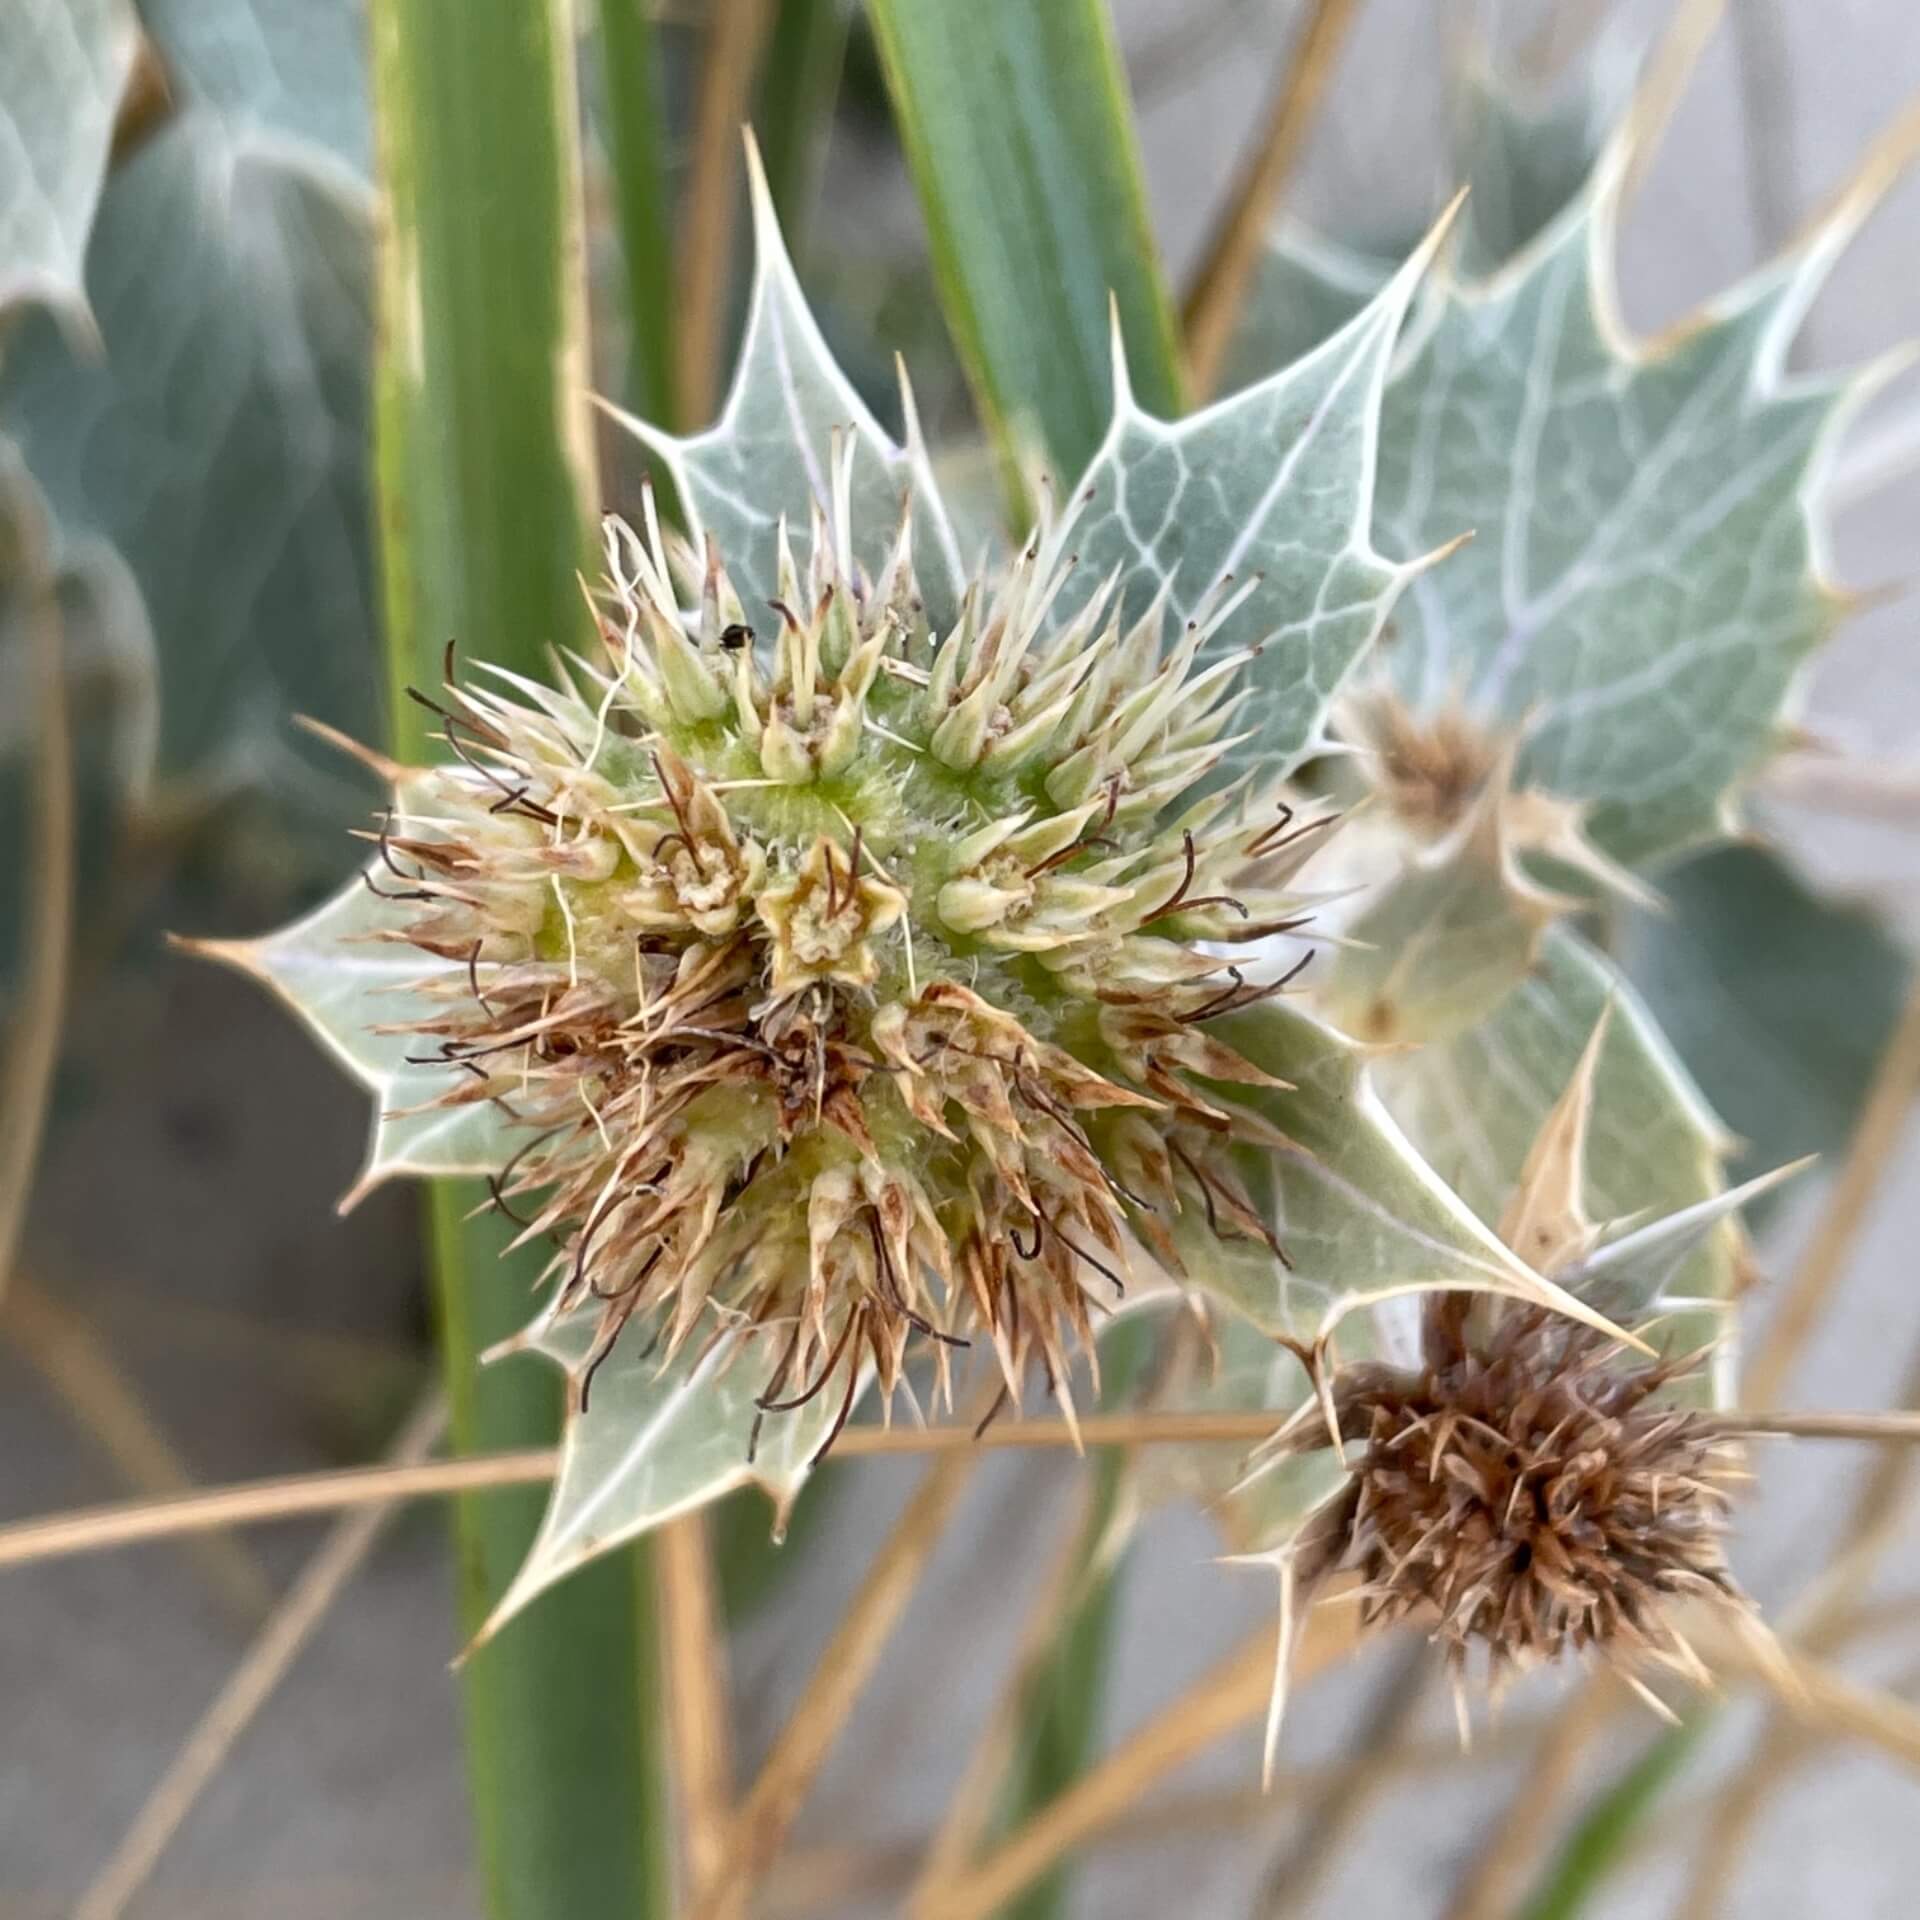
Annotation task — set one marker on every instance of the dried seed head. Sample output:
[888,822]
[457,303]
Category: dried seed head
[1429,768]
[1528,1493]
[812,972]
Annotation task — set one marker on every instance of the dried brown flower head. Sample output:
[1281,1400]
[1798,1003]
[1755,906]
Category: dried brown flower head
[1527,1489]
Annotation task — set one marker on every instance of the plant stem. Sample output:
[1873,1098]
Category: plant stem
[38,1015]
[1059,1719]
[797,94]
[735,32]
[127,1523]
[636,120]
[1220,287]
[1017,126]
[485,484]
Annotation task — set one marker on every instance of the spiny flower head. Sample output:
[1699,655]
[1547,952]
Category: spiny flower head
[822,955]
[1525,1490]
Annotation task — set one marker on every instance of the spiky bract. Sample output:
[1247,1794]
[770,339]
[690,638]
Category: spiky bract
[817,951]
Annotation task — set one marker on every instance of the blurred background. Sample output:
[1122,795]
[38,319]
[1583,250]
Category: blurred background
[184,417]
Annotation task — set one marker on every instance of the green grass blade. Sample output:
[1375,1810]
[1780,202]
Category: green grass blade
[484,481]
[563,1723]
[636,124]
[1599,1843]
[801,81]
[1018,129]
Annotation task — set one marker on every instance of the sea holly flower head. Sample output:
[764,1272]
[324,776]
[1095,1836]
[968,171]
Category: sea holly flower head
[810,973]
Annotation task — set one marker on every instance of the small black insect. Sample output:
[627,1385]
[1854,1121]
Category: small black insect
[736,636]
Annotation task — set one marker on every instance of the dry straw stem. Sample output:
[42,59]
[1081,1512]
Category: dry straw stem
[1220,287]
[1727,1827]
[1824,1614]
[247,1689]
[1818,1695]
[970,1807]
[736,30]
[1329,1815]
[33,1036]
[1864,789]
[768,1808]
[1664,80]
[1497,1874]
[826,1880]
[699,1712]
[1882,1122]
[95,1529]
[1229,1696]
[80,1368]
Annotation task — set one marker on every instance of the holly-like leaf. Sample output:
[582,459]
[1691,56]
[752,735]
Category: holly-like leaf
[1360,1214]
[219,445]
[293,69]
[64,66]
[1781,1002]
[1274,484]
[1475,1104]
[768,454]
[1643,1265]
[341,971]
[657,1439]
[1644,583]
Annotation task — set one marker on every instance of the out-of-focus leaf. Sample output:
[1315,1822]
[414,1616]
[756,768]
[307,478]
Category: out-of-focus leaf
[798,88]
[63,69]
[1443,944]
[219,446]
[1780,1002]
[636,122]
[112,701]
[1613,1819]
[1474,1104]
[1523,156]
[1644,583]
[1526,153]
[1306,287]
[292,68]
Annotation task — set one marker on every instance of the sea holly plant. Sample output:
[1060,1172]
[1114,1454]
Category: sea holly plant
[861,964]
[842,964]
